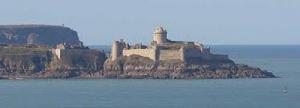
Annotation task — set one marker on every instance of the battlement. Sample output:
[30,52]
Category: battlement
[160,35]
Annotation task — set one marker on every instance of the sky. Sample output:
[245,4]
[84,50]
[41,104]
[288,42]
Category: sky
[99,22]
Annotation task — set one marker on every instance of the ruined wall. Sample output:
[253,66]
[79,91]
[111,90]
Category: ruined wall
[170,55]
[150,53]
[79,59]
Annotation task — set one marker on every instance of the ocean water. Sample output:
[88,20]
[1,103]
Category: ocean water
[283,61]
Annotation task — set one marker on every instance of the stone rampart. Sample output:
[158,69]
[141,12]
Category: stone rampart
[170,55]
[192,53]
[84,59]
[150,53]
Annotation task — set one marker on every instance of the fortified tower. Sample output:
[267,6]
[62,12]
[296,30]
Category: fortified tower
[116,50]
[160,35]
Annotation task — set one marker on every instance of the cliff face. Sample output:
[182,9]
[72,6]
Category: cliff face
[140,67]
[75,63]
[37,34]
[25,51]
[25,61]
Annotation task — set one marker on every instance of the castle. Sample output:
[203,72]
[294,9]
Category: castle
[161,49]
[64,47]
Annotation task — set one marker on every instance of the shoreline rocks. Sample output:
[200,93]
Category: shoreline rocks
[137,67]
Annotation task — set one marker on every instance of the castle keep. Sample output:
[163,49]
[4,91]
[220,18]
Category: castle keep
[161,49]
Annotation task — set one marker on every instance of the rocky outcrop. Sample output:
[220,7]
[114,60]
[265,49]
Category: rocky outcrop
[37,34]
[141,67]
[75,63]
[40,62]
[23,60]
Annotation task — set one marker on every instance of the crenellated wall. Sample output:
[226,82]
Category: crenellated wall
[163,49]
[160,35]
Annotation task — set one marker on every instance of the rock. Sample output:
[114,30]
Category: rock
[141,67]
[39,62]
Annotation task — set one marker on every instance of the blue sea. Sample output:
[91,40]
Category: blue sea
[283,61]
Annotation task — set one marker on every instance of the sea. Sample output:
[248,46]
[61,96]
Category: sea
[283,92]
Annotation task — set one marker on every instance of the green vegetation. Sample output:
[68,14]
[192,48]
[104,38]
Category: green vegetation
[23,50]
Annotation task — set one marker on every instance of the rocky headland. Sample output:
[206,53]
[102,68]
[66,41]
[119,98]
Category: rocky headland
[138,67]
[37,34]
[33,61]
[37,52]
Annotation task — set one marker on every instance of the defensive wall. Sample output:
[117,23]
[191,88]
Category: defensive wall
[86,59]
[150,53]
[192,52]
[171,55]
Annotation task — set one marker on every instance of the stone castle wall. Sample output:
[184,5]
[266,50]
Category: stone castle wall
[150,53]
[85,59]
[165,49]
[192,53]
[171,55]
[181,54]
[165,54]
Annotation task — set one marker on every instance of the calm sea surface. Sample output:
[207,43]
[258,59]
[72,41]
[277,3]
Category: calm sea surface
[283,61]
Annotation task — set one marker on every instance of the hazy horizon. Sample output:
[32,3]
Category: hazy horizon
[230,22]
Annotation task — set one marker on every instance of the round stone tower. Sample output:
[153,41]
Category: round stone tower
[160,35]
[116,50]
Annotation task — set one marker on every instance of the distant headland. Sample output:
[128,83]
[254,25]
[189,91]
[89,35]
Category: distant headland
[46,51]
[49,35]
